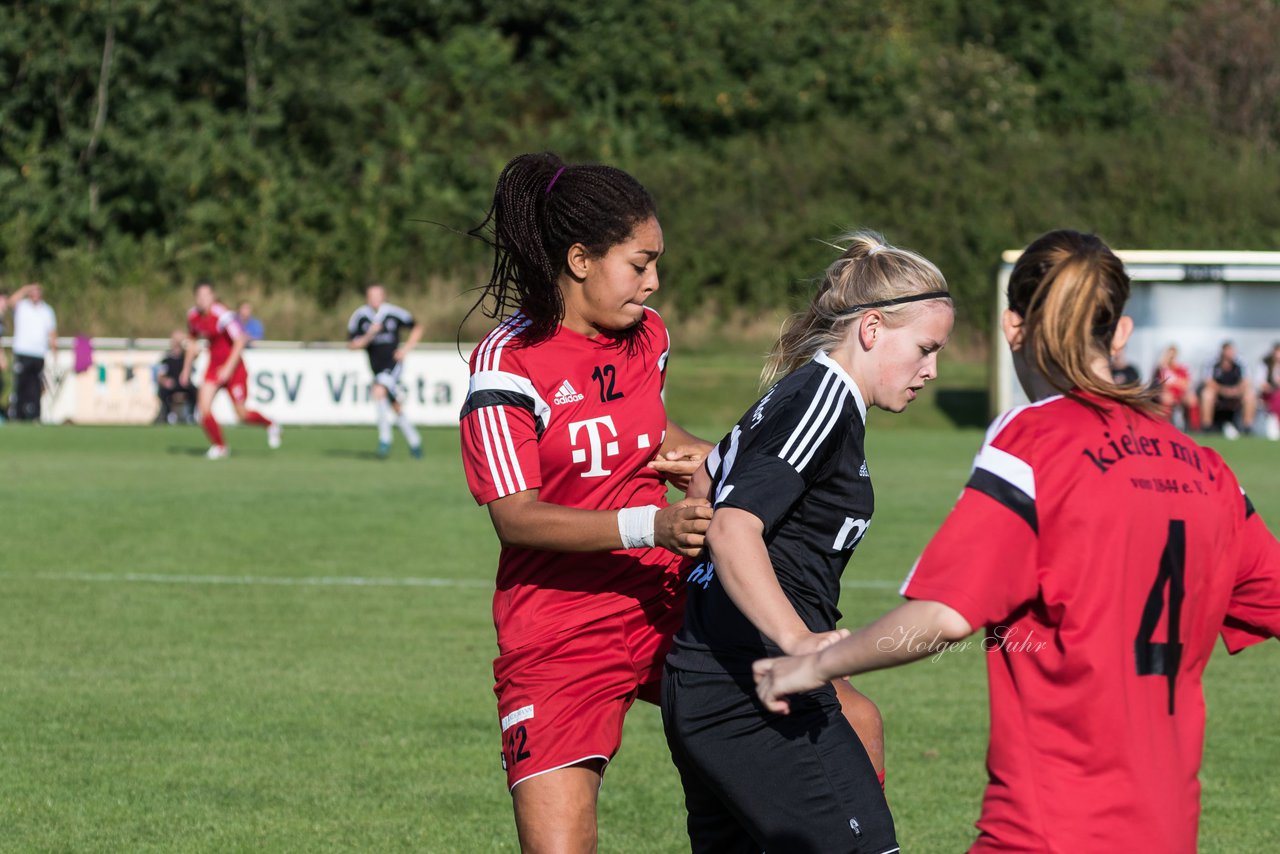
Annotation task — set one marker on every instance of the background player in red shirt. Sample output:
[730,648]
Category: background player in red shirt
[1104,551]
[217,324]
[561,431]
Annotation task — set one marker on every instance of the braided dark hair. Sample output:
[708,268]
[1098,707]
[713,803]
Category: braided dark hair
[541,207]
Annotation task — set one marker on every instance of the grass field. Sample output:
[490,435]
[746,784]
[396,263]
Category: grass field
[290,651]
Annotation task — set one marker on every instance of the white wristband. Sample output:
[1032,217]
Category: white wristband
[635,525]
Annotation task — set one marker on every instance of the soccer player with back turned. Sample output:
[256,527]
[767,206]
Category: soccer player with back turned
[1104,552]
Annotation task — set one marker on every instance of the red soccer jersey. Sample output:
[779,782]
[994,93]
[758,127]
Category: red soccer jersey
[219,327]
[1176,378]
[1104,555]
[578,419]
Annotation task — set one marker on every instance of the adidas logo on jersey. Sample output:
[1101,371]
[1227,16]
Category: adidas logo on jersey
[566,394]
[862,472]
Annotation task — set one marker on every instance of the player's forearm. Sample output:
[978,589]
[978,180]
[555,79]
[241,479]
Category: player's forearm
[188,356]
[534,524]
[742,564]
[415,335]
[911,631]
[677,436]
[237,349]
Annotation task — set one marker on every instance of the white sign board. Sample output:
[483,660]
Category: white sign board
[301,385]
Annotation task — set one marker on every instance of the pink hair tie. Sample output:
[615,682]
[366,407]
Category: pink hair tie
[552,183]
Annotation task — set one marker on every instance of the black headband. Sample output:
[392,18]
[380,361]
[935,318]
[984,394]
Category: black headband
[885,303]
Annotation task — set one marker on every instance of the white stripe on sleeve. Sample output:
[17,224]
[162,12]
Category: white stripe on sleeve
[802,425]
[488,453]
[1008,468]
[828,405]
[511,449]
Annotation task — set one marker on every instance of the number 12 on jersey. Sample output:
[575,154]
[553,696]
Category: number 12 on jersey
[1162,659]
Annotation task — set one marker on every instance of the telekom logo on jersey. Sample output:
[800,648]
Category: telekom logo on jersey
[599,444]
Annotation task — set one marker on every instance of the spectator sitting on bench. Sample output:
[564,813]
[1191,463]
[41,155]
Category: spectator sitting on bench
[1173,379]
[1227,395]
[170,391]
[1269,391]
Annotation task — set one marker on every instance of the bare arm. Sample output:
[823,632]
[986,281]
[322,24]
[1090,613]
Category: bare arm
[415,335]
[188,356]
[680,456]
[909,632]
[736,540]
[524,521]
[362,341]
[678,437]
[21,293]
[237,347]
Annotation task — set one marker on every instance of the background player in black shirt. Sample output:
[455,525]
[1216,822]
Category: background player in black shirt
[375,327]
[793,497]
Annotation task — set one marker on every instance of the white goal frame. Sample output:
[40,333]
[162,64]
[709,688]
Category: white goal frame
[1195,299]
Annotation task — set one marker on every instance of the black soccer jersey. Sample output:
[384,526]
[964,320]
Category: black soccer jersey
[795,461]
[1231,375]
[382,349]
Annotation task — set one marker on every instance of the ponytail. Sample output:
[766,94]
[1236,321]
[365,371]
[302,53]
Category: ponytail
[869,275]
[1070,290]
[541,207]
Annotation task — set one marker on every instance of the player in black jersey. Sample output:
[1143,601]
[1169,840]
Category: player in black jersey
[375,327]
[792,496]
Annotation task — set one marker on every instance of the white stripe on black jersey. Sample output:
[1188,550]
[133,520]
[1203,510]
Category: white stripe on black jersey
[795,461]
[382,348]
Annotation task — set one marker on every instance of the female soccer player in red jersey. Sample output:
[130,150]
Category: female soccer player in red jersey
[1103,551]
[793,498]
[562,431]
[217,324]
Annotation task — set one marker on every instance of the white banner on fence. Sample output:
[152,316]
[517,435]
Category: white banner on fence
[311,385]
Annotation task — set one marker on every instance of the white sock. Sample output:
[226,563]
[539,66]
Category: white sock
[384,420]
[410,432]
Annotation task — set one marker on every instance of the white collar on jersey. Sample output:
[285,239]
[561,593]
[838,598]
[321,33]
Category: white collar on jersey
[832,365]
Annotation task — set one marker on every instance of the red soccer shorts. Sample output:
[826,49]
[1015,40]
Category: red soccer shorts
[237,386]
[561,701]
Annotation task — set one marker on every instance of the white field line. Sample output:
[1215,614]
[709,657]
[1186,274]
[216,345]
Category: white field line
[323,581]
[262,580]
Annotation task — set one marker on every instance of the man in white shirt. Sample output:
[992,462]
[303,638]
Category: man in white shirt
[35,336]
[4,363]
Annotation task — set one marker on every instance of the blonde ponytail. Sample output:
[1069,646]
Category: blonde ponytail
[869,275]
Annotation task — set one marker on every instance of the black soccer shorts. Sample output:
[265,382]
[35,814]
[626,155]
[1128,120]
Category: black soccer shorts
[755,781]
